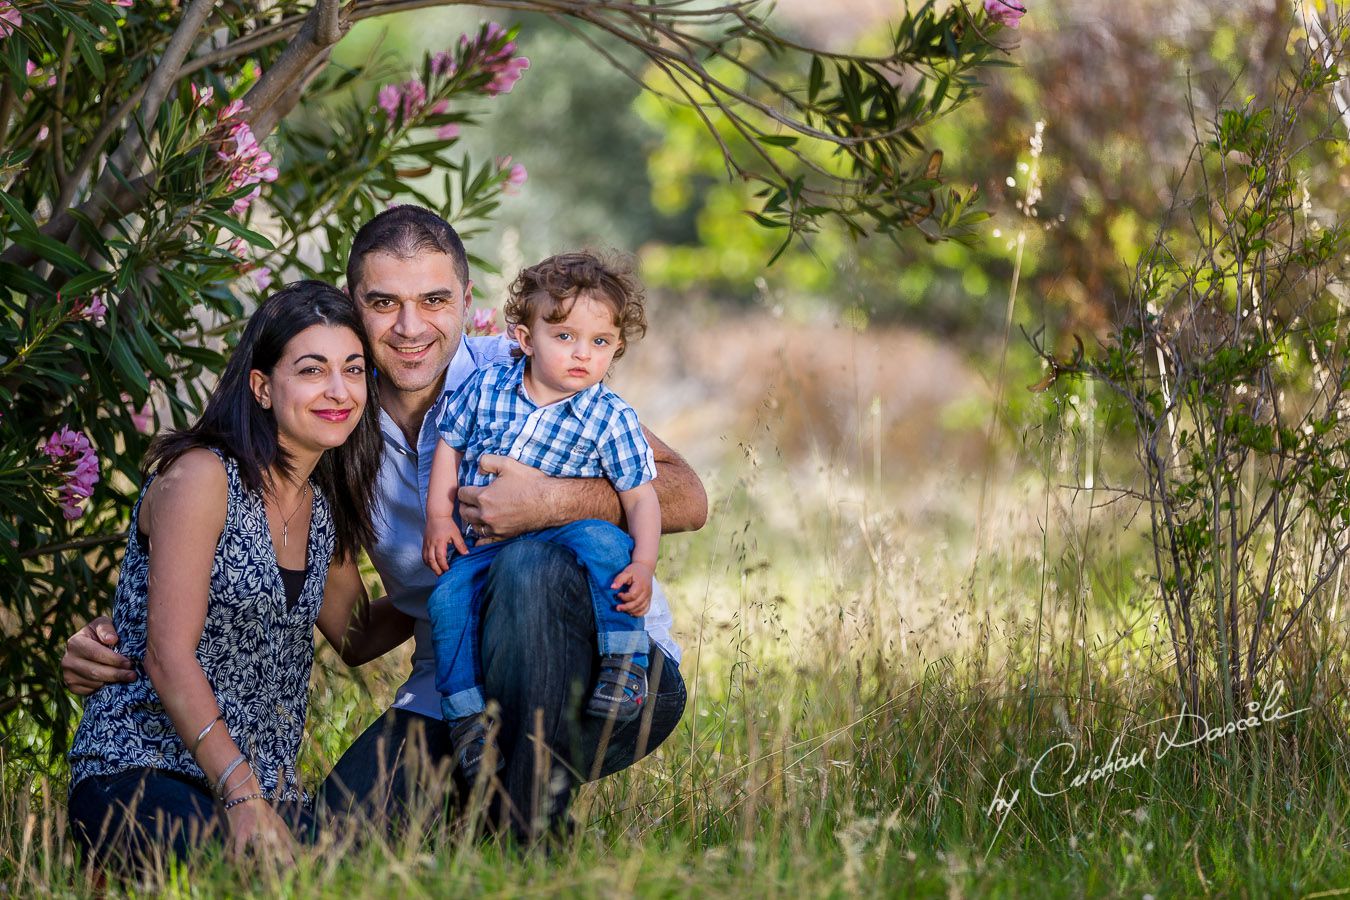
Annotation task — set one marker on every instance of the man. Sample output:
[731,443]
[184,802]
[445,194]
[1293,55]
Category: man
[408,274]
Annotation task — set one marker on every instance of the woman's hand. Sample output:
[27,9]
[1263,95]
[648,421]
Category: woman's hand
[90,662]
[255,826]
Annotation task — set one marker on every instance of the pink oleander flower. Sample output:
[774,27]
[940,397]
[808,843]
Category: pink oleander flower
[414,98]
[30,69]
[94,309]
[410,97]
[515,174]
[489,52]
[484,322]
[65,443]
[443,63]
[126,4]
[65,447]
[389,100]
[202,97]
[243,203]
[10,19]
[42,133]
[142,419]
[506,76]
[447,132]
[1005,12]
[262,277]
[230,110]
[249,165]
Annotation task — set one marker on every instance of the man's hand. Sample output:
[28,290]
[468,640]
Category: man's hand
[90,662]
[515,502]
[441,531]
[638,598]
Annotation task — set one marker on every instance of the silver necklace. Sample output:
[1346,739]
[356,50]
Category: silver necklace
[286,520]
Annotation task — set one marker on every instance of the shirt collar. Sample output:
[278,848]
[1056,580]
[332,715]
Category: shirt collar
[580,403]
[462,365]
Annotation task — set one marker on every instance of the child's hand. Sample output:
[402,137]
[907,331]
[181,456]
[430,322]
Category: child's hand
[638,598]
[440,532]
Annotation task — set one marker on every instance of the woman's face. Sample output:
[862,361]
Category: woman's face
[317,390]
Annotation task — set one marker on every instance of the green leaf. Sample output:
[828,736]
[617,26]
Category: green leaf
[17,213]
[232,225]
[54,252]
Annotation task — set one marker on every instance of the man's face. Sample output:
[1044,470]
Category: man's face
[413,310]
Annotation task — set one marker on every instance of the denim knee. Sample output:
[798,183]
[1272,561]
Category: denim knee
[539,578]
[602,539]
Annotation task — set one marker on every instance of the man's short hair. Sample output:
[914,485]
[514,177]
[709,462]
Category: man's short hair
[406,231]
[548,290]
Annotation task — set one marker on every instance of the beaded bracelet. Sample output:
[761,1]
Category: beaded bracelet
[237,801]
[201,735]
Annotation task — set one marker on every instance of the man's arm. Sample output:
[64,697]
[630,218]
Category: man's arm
[521,498]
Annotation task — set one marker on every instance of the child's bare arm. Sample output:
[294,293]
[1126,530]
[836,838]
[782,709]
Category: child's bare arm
[441,528]
[642,510]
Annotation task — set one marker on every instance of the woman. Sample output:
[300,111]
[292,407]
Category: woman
[221,586]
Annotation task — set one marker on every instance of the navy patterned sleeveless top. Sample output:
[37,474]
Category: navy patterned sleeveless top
[255,650]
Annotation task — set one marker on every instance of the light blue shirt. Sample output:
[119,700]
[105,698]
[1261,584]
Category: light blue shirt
[401,518]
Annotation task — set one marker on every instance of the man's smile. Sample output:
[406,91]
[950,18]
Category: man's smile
[412,352]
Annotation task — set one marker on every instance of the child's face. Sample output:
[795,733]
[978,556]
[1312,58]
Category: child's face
[569,356]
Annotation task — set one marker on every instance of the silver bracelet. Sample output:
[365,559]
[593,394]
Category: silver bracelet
[229,770]
[229,789]
[201,735]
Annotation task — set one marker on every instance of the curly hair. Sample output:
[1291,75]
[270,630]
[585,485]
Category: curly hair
[548,290]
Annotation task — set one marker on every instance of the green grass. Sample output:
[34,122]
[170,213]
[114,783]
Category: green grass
[857,690]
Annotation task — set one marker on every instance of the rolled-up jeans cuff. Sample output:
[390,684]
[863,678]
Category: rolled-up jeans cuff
[468,702]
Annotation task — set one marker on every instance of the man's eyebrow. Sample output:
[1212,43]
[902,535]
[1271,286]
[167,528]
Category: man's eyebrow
[388,295]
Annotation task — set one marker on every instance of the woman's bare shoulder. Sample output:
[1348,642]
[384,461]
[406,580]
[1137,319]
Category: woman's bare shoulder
[193,488]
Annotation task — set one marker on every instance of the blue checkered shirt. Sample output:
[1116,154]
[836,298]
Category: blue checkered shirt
[592,434]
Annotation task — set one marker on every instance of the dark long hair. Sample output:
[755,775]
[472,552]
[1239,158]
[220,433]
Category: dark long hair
[235,424]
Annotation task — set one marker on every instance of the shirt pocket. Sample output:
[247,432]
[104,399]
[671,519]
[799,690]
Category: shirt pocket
[582,460]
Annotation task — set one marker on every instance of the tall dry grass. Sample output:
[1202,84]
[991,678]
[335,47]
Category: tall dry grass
[861,691]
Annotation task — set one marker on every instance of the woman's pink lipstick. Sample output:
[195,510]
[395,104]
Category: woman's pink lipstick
[333,415]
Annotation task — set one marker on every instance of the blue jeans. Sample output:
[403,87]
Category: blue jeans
[539,653]
[141,818]
[602,549]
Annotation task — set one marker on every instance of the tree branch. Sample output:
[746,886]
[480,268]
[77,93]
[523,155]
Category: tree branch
[58,125]
[157,88]
[274,95]
[110,194]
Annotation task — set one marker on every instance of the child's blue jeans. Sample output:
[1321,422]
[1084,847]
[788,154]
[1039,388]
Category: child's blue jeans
[603,549]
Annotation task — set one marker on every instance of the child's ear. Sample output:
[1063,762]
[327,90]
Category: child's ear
[523,339]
